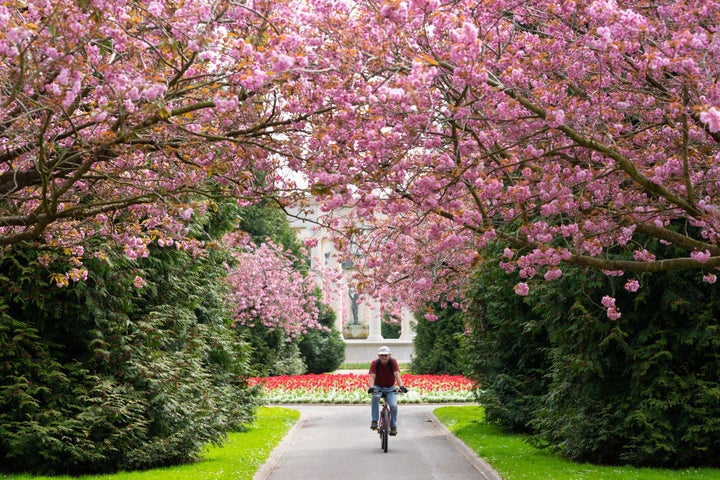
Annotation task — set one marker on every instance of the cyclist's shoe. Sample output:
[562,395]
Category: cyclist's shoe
[393,430]
[373,425]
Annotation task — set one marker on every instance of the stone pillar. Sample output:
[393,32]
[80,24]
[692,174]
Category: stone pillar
[339,306]
[374,317]
[406,326]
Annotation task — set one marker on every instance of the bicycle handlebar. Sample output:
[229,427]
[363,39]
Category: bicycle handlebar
[397,390]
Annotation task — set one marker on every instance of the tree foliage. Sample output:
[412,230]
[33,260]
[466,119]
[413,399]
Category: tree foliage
[323,350]
[437,343]
[264,221]
[115,112]
[105,375]
[276,303]
[505,350]
[268,290]
[640,390]
[560,130]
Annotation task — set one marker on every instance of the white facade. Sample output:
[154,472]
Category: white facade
[339,296]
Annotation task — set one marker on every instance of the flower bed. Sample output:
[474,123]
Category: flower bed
[352,388]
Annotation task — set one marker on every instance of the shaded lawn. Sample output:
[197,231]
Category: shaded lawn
[239,458]
[515,459]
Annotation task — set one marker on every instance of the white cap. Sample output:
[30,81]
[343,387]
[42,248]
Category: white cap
[384,351]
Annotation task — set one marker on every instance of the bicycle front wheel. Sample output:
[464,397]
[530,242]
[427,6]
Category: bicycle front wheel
[386,430]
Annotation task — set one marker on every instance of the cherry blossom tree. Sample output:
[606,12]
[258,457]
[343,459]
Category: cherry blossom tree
[567,130]
[124,117]
[268,290]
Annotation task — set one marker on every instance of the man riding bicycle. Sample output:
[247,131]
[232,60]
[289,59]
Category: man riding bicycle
[384,372]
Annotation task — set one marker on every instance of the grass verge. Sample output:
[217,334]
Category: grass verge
[237,459]
[515,459]
[404,367]
[354,366]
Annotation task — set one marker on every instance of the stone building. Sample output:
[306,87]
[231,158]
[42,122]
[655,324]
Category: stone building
[359,319]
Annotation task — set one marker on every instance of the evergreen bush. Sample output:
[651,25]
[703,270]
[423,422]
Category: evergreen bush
[390,330]
[272,352]
[323,350]
[437,343]
[640,390]
[504,350]
[101,376]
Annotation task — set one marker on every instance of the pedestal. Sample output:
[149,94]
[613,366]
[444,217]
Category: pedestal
[356,331]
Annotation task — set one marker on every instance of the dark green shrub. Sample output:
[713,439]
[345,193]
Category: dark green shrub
[265,220]
[272,353]
[323,350]
[504,350]
[101,376]
[642,389]
[437,343]
[390,330]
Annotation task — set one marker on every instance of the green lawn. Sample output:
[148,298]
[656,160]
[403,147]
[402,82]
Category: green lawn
[404,367]
[514,459]
[237,459]
[510,455]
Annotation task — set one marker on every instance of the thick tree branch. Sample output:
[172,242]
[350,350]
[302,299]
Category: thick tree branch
[644,267]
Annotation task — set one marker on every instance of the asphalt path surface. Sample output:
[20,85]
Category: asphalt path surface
[335,442]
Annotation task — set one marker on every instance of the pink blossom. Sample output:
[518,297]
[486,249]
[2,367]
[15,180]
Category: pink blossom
[77,274]
[522,289]
[223,105]
[712,118]
[556,118]
[395,12]
[527,272]
[701,257]
[553,273]
[268,290]
[613,313]
[283,63]
[467,35]
[643,255]
[423,283]
[156,8]
[709,278]
[632,285]
[165,242]
[604,39]
[154,91]
[139,282]
[608,301]
[186,213]
[614,273]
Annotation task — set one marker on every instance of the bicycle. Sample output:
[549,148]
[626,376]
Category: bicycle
[384,421]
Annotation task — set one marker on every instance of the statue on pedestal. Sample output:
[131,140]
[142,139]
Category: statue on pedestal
[352,293]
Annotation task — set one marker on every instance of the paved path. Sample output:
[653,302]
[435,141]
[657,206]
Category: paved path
[335,442]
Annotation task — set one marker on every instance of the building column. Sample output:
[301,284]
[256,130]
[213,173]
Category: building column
[374,318]
[406,326]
